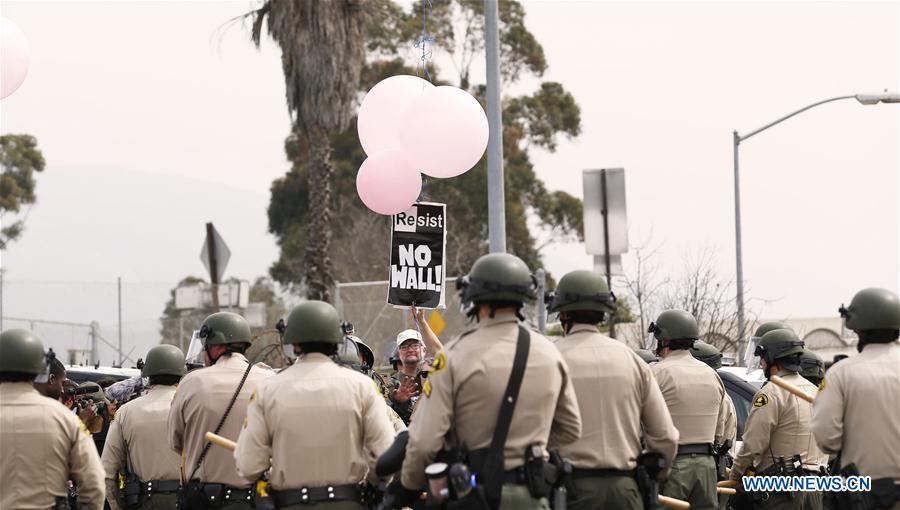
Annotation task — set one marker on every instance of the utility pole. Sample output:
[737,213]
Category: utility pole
[496,196]
[213,265]
[95,334]
[120,321]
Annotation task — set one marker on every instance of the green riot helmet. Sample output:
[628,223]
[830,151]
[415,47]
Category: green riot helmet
[872,308]
[22,352]
[782,346]
[749,355]
[707,353]
[812,367]
[673,325]
[313,322]
[646,355]
[224,328]
[164,360]
[581,291]
[496,277]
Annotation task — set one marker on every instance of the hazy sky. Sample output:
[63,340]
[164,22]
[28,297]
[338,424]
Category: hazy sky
[159,88]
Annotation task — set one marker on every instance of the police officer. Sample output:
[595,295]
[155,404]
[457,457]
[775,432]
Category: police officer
[140,474]
[616,393]
[207,397]
[462,395]
[855,413]
[366,358]
[777,439]
[812,367]
[318,425]
[696,400]
[712,356]
[43,444]
[750,358]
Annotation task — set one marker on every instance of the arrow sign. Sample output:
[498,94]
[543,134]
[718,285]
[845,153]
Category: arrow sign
[215,258]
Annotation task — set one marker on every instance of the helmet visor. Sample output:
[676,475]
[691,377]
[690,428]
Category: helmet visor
[750,357]
[194,355]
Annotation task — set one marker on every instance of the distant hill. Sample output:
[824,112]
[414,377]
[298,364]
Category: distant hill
[94,224]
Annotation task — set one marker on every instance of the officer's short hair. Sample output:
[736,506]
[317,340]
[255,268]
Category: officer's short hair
[326,348]
[681,344]
[878,335]
[164,380]
[592,317]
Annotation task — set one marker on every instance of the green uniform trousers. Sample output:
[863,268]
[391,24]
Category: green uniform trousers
[795,501]
[693,479]
[159,502]
[517,497]
[613,492]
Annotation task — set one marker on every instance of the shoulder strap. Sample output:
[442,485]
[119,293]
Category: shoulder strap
[221,422]
[492,470]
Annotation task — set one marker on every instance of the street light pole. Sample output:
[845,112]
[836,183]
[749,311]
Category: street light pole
[866,99]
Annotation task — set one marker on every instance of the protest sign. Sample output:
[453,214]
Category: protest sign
[418,239]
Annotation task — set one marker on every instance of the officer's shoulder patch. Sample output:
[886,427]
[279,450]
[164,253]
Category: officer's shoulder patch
[822,385]
[426,388]
[253,395]
[439,363]
[761,400]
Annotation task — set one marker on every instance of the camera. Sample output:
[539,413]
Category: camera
[347,328]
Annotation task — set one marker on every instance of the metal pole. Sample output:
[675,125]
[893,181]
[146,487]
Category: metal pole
[95,355]
[496,197]
[213,265]
[737,247]
[541,276]
[338,305]
[120,321]
[605,212]
[1,299]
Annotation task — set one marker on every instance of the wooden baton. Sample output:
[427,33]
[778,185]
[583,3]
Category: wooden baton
[778,381]
[728,483]
[725,490]
[674,503]
[224,442]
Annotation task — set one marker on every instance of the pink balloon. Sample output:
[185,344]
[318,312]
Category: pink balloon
[388,183]
[378,122]
[444,131]
[13,57]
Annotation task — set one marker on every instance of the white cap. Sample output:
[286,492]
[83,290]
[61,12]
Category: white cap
[408,334]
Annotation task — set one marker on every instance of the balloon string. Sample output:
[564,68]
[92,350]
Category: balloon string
[424,40]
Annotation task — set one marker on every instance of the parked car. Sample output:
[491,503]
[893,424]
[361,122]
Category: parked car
[80,374]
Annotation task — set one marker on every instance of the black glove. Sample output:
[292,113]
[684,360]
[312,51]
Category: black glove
[398,496]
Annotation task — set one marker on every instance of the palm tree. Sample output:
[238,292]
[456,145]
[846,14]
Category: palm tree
[323,50]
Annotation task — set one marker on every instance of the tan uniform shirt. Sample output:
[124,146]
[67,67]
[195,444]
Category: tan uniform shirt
[730,421]
[616,394]
[319,423]
[695,397]
[42,446]
[200,402]
[466,385]
[141,424]
[778,426]
[857,411]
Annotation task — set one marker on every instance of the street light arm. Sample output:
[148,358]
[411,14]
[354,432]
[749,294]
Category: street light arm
[788,116]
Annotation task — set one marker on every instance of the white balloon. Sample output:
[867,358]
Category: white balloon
[444,132]
[13,57]
[378,122]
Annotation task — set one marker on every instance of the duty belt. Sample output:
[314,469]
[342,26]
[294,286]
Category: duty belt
[220,494]
[695,449]
[160,486]
[515,476]
[600,473]
[308,495]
